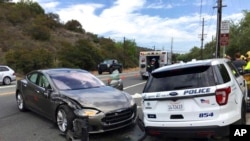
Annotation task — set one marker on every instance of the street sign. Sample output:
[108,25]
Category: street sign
[224,39]
[224,35]
[224,27]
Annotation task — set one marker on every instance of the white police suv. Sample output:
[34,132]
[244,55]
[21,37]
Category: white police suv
[194,99]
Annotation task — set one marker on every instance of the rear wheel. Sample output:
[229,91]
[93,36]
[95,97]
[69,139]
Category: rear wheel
[64,118]
[120,70]
[243,113]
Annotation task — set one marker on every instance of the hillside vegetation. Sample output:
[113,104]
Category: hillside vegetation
[32,39]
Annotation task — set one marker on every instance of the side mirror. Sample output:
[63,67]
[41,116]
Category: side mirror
[47,92]
[118,84]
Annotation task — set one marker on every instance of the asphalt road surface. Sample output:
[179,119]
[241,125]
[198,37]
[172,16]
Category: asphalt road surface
[28,126]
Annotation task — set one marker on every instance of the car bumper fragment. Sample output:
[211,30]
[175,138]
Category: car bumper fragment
[80,130]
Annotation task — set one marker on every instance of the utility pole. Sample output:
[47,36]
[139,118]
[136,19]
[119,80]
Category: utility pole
[124,40]
[171,46]
[171,50]
[219,13]
[202,38]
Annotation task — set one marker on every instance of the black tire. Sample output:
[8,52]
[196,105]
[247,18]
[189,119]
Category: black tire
[120,70]
[64,118]
[144,77]
[99,72]
[243,120]
[20,102]
[110,71]
[6,81]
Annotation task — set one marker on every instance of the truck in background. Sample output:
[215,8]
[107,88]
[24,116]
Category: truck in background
[109,65]
[163,58]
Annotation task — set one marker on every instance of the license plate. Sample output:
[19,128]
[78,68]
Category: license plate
[175,106]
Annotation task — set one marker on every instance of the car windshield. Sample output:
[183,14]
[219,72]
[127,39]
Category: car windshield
[107,61]
[73,80]
[195,77]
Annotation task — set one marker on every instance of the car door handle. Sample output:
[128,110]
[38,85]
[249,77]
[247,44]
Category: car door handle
[37,91]
[25,85]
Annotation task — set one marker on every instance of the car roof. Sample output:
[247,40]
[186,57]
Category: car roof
[193,63]
[4,66]
[7,67]
[57,70]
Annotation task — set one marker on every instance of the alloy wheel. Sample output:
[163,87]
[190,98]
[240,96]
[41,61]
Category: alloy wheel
[20,102]
[62,120]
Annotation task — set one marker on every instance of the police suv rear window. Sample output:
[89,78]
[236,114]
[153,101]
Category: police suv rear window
[185,78]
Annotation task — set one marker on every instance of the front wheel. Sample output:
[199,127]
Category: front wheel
[64,118]
[110,71]
[20,102]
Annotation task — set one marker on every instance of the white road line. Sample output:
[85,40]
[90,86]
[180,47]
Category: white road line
[10,86]
[134,85]
[8,93]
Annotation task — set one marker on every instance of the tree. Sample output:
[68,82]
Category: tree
[74,25]
[239,36]
[25,60]
[53,20]
[34,7]
[40,32]
[82,55]
[4,1]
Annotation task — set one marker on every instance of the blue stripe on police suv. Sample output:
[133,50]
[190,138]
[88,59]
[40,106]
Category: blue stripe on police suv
[197,91]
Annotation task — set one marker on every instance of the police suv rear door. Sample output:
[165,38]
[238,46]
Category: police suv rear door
[181,94]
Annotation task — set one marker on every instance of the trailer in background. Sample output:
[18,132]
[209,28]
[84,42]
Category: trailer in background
[163,58]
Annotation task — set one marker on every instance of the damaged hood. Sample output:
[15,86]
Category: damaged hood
[104,98]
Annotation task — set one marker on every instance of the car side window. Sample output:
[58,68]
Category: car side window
[3,69]
[233,69]
[43,81]
[33,77]
[221,73]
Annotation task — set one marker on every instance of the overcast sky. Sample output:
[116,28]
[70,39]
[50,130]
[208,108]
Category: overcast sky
[151,23]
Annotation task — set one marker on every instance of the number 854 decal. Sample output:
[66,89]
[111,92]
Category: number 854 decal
[204,115]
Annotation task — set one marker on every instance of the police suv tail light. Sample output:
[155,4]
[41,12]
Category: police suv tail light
[222,95]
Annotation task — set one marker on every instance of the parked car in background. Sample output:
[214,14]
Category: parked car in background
[65,95]
[7,75]
[109,65]
[200,98]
